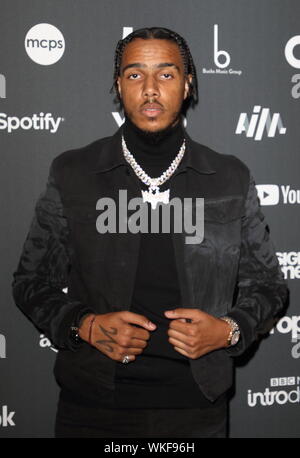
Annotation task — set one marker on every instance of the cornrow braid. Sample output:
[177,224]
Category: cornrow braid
[164,34]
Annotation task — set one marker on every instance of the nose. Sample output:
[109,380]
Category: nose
[150,88]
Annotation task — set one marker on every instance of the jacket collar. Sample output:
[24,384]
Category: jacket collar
[112,156]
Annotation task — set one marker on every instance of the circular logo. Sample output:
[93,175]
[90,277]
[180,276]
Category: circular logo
[44,44]
[289,51]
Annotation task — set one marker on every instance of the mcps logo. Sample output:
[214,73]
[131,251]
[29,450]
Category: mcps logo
[44,44]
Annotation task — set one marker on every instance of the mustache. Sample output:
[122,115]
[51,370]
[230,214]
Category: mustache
[150,102]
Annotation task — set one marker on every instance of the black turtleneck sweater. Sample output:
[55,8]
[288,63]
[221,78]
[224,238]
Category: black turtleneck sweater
[160,377]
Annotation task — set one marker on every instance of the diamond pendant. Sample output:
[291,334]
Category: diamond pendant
[154,197]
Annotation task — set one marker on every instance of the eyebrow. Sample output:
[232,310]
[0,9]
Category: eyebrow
[161,65]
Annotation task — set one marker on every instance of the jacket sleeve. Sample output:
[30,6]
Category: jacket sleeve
[262,290]
[42,272]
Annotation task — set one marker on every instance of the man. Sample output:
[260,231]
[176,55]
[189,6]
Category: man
[151,321]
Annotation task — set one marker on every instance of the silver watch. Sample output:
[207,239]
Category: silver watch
[234,334]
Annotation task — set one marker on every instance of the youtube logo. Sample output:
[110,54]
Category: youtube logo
[268,194]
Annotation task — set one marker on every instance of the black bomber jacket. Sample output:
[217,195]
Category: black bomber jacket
[234,271]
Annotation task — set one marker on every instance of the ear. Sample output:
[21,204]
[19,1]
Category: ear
[188,81]
[119,85]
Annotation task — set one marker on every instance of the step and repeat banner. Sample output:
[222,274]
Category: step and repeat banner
[56,69]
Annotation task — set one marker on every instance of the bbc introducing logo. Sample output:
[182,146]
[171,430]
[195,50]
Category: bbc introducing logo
[44,44]
[280,396]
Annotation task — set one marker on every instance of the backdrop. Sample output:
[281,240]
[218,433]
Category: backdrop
[56,65]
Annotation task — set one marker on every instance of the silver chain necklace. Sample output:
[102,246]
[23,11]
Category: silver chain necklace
[153,195]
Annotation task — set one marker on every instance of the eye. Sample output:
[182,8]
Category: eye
[167,76]
[133,76]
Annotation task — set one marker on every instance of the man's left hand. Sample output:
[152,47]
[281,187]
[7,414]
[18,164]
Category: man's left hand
[202,334]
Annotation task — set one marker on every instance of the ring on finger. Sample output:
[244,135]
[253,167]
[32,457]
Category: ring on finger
[126,359]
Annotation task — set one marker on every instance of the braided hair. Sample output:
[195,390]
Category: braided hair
[163,34]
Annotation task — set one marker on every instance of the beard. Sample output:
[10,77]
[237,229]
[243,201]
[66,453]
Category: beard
[154,137]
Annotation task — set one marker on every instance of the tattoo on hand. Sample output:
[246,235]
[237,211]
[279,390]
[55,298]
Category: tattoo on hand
[106,343]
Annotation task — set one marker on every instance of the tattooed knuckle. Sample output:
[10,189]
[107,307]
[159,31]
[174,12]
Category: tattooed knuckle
[124,341]
[119,341]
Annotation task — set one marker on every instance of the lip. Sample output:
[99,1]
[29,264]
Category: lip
[151,109]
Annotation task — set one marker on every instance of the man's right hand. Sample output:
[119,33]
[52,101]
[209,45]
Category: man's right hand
[115,335]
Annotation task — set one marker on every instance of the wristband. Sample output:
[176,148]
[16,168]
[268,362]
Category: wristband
[74,329]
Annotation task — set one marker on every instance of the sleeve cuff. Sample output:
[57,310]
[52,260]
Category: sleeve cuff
[72,318]
[245,333]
